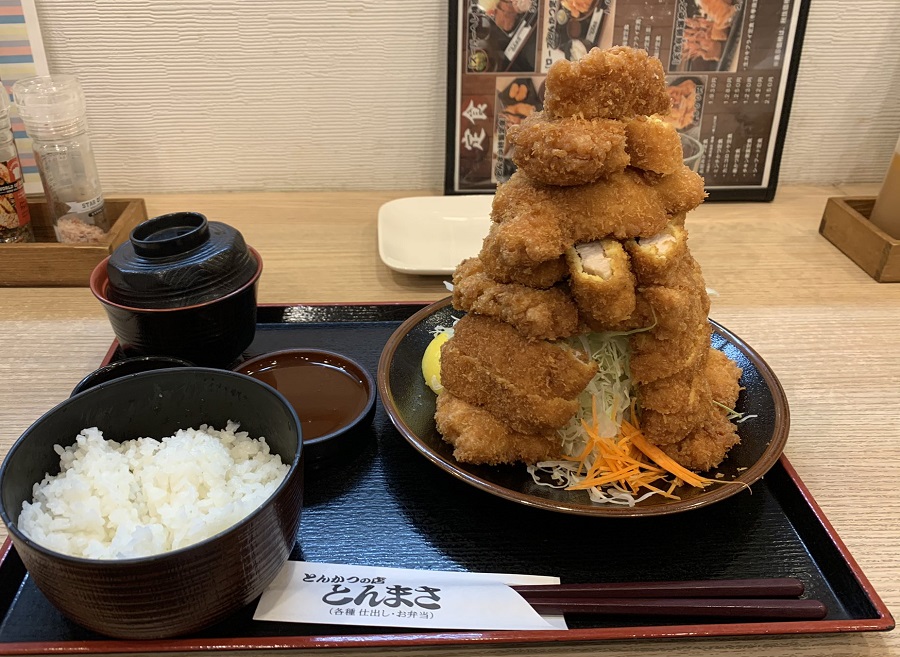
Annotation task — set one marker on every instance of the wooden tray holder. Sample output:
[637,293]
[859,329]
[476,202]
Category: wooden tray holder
[846,224]
[47,263]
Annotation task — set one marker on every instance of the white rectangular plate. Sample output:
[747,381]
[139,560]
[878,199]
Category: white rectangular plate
[432,234]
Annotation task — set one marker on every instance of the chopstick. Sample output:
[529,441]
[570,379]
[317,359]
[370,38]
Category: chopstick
[783,608]
[780,587]
[742,598]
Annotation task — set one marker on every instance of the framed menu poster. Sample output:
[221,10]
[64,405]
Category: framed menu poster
[730,69]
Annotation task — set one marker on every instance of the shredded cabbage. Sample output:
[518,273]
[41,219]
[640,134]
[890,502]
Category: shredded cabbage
[612,391]
[733,415]
[439,329]
[611,387]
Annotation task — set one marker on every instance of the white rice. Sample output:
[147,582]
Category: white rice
[141,497]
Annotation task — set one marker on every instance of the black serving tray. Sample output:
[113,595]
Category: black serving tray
[386,505]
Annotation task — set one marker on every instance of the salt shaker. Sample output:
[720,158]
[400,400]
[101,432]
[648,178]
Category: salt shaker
[53,110]
[15,220]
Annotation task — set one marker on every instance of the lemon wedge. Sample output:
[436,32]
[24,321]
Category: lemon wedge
[431,362]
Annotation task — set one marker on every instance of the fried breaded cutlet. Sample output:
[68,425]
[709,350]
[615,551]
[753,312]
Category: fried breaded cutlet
[683,190]
[667,428]
[527,240]
[706,446]
[575,151]
[568,151]
[670,428]
[601,282]
[686,391]
[653,257]
[509,401]
[536,314]
[479,437]
[685,275]
[607,84]
[724,377]
[671,312]
[622,205]
[529,386]
[653,359]
[653,145]
[539,222]
[548,369]
[629,204]
[542,275]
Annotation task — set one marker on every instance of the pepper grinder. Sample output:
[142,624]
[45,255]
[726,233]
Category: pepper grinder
[53,110]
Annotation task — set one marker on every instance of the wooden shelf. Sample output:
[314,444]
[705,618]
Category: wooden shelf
[47,263]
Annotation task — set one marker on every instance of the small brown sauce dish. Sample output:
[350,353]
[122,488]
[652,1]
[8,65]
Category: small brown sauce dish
[334,396]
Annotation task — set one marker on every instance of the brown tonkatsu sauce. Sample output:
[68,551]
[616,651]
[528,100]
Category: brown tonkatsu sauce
[325,395]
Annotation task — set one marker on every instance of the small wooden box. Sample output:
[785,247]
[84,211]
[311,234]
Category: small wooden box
[47,263]
[846,224]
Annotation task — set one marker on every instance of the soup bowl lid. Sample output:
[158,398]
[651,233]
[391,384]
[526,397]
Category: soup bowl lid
[179,259]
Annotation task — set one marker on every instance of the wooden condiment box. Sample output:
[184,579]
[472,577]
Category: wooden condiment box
[846,224]
[47,263]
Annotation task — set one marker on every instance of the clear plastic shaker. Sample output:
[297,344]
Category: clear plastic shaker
[53,110]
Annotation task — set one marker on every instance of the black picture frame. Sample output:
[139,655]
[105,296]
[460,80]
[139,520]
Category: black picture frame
[760,193]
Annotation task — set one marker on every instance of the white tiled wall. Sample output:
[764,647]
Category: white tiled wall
[327,94]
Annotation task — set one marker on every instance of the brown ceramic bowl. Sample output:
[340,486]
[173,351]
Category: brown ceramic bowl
[184,590]
[410,404]
[333,395]
[213,333]
[119,368]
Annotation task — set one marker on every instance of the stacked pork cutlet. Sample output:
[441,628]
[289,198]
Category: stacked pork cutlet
[587,235]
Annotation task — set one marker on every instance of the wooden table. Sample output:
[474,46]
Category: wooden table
[829,331]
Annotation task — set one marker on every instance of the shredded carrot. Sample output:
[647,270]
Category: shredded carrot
[661,459]
[630,463]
